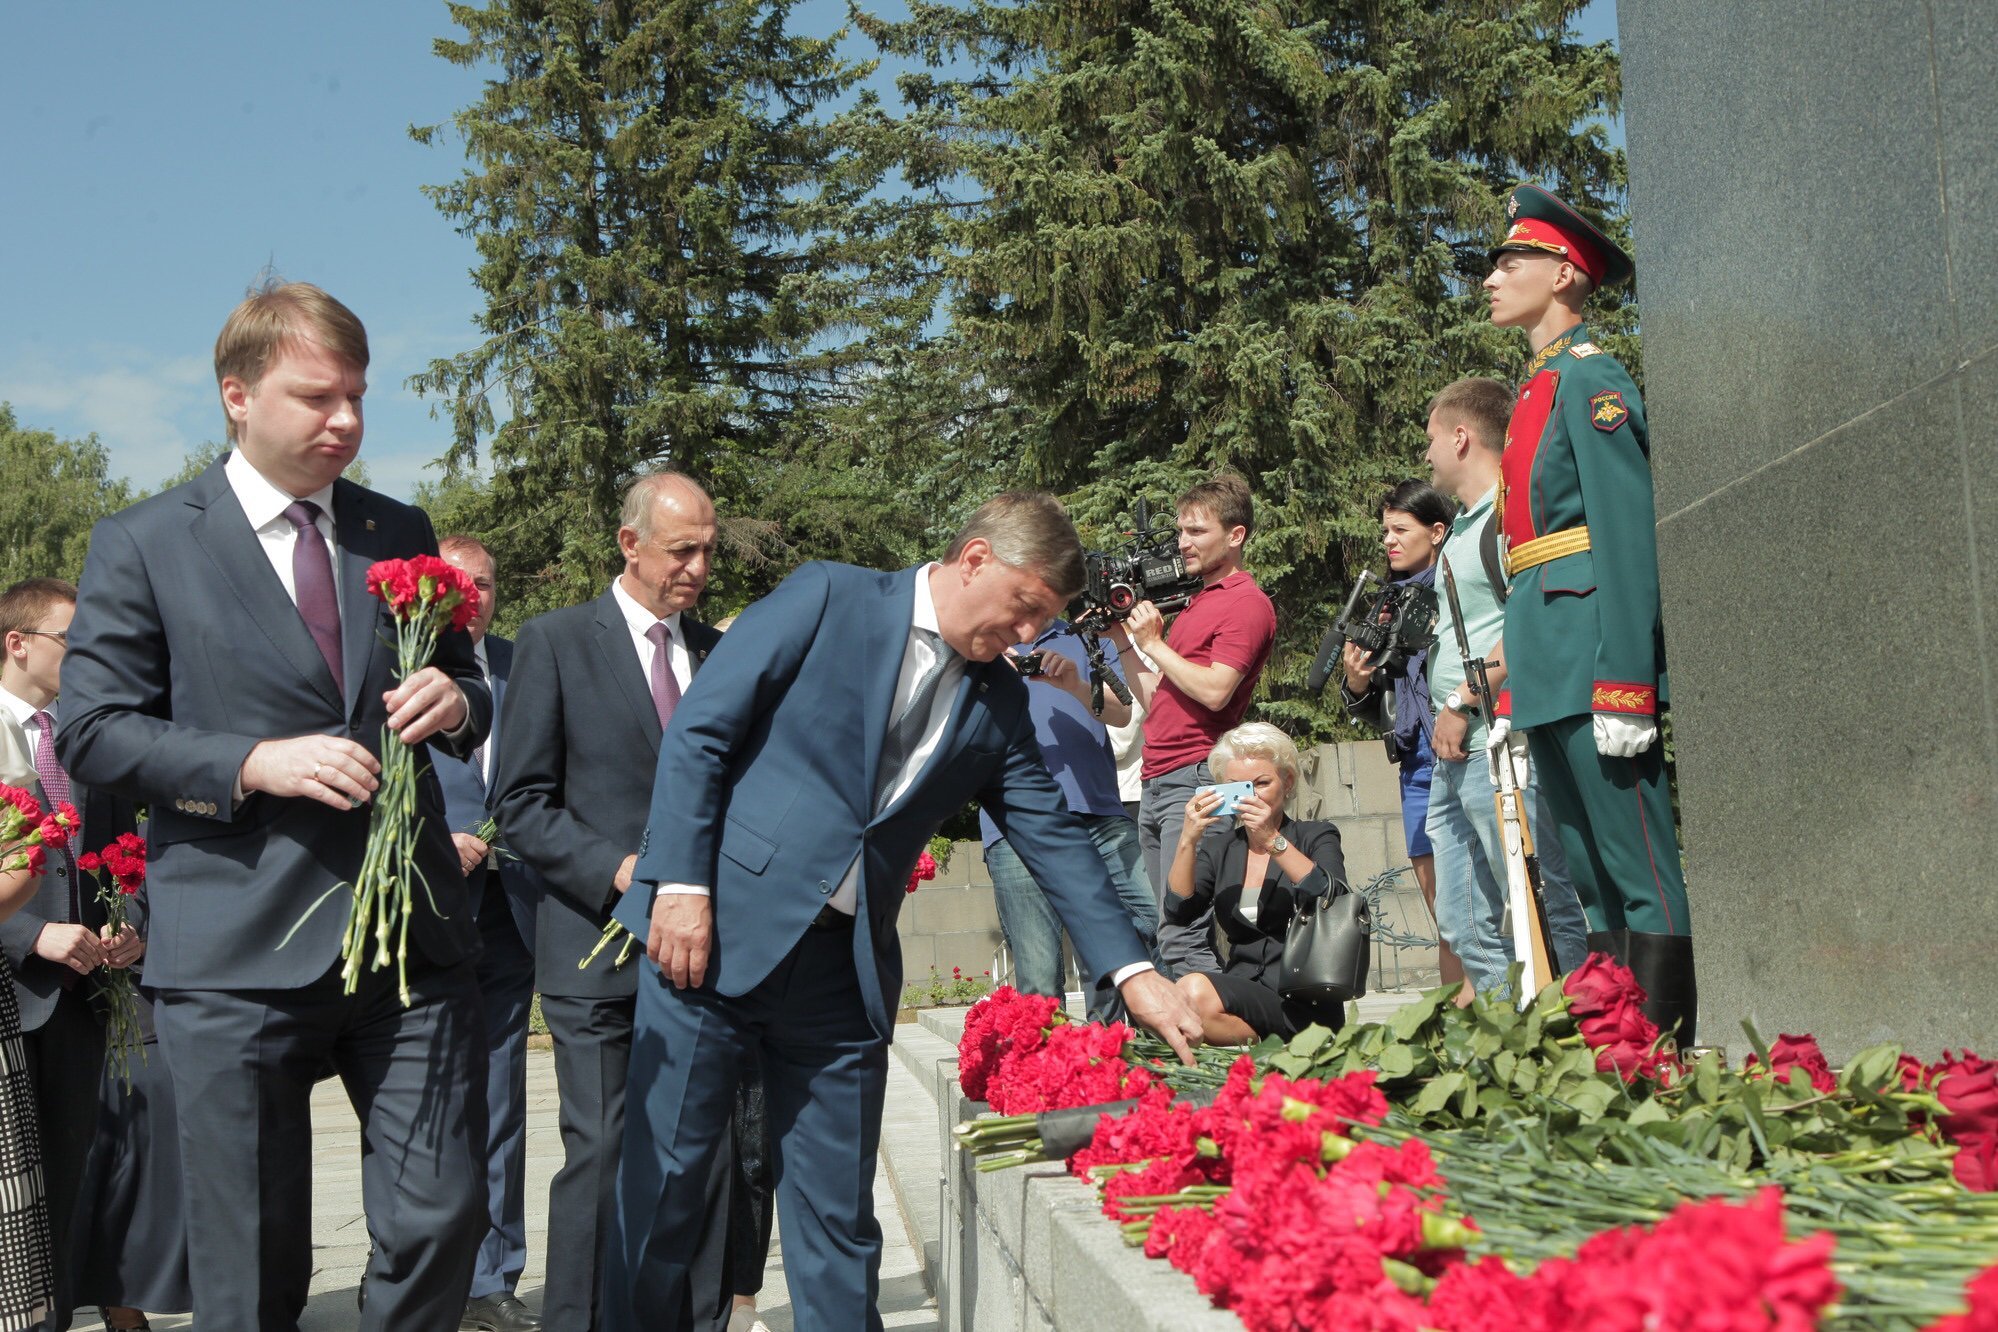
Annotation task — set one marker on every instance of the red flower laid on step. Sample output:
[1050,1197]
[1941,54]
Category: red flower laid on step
[1790,1052]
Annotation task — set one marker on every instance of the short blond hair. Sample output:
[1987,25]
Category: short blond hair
[274,313]
[1256,740]
[1027,529]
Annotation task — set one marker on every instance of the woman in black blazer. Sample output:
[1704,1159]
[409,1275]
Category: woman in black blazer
[1288,859]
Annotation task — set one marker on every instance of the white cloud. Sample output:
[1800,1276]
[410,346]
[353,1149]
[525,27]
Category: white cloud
[148,410]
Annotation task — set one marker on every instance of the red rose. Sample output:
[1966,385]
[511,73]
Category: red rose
[1798,1052]
[1599,982]
[1968,1088]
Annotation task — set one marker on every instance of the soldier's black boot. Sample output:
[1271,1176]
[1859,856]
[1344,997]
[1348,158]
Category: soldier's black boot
[1614,942]
[1663,965]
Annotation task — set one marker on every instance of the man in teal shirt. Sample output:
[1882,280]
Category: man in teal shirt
[1466,426]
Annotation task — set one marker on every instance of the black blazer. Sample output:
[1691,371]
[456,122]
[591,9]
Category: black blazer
[1222,858]
[185,653]
[574,780]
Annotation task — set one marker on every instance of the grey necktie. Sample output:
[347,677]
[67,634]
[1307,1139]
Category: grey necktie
[907,732]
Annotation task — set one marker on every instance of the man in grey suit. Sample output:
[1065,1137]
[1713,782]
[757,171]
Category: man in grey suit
[504,895]
[592,688]
[54,942]
[228,669]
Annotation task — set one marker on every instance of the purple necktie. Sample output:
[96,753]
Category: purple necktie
[55,788]
[665,685]
[312,581]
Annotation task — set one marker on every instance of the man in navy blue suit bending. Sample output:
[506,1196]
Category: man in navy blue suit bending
[841,720]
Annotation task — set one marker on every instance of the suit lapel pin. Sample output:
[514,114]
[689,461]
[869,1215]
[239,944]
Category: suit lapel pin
[371,524]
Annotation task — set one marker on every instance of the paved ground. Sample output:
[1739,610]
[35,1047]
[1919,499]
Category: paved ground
[340,1241]
[911,1157]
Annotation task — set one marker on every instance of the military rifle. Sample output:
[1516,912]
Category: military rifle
[1526,900]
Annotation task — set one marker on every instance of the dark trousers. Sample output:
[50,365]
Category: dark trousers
[825,1073]
[66,1066]
[1183,949]
[1615,819]
[506,993]
[243,1065]
[592,1049]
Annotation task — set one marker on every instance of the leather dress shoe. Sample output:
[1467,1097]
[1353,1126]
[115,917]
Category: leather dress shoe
[499,1313]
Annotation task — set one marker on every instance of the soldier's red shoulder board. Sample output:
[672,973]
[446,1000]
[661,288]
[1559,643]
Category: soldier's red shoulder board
[1606,410]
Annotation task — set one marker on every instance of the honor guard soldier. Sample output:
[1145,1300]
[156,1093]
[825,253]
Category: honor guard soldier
[1583,643]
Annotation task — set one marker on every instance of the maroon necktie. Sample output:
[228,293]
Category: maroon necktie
[312,581]
[665,685]
[55,787]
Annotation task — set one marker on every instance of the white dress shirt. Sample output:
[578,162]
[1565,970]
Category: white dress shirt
[24,712]
[485,750]
[640,621]
[264,504]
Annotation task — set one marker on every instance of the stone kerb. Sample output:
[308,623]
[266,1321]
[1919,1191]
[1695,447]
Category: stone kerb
[1028,1250]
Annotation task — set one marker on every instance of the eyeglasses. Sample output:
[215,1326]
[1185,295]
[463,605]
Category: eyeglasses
[59,635]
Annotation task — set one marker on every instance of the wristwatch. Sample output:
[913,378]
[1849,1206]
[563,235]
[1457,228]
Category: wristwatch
[1278,845]
[1455,702]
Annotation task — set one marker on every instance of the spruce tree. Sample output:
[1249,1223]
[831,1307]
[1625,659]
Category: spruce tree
[1193,234]
[682,259]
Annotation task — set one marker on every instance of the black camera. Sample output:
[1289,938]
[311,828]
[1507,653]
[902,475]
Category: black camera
[1397,622]
[1030,664]
[1147,568]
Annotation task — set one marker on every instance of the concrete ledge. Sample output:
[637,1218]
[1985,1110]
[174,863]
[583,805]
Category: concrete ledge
[1029,1250]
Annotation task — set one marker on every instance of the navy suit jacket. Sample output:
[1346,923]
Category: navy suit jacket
[765,788]
[581,738]
[186,652]
[469,801]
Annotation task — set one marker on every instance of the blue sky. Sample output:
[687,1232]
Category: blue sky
[157,157]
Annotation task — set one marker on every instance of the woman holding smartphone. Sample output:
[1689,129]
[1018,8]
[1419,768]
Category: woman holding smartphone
[1253,873]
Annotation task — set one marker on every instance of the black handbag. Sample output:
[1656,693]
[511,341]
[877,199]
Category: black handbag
[1326,950]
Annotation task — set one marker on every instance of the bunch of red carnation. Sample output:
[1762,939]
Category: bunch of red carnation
[124,860]
[926,868]
[1074,1065]
[424,585]
[1607,1004]
[1002,1025]
[28,833]
[1296,1245]
[1718,1266]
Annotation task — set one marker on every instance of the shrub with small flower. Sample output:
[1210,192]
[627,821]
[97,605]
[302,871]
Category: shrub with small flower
[952,991]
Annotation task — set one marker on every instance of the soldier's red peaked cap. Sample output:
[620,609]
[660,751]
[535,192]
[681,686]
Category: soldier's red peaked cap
[1539,223]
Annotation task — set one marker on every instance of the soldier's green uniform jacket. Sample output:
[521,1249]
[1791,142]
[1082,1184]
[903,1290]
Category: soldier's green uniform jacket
[1582,631]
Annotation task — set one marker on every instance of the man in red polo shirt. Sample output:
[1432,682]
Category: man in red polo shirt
[1195,684]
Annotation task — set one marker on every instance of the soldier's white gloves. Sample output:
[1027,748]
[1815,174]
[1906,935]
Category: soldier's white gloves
[1505,742]
[1619,736]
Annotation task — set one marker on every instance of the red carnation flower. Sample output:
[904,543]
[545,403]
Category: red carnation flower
[1981,1316]
[90,862]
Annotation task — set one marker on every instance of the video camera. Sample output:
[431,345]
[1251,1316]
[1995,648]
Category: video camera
[1147,568]
[1398,622]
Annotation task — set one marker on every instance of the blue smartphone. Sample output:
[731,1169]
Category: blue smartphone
[1231,793]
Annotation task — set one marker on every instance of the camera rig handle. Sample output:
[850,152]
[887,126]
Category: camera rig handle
[1100,673]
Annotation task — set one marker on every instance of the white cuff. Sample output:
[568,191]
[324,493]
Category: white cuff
[682,890]
[1124,973]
